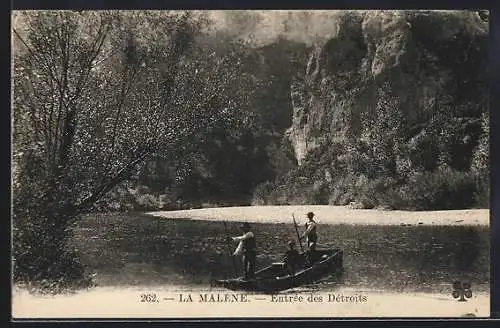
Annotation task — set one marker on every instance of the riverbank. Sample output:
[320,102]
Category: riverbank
[332,215]
[403,271]
[128,303]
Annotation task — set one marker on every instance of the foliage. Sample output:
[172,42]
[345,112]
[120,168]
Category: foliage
[96,94]
[444,188]
[480,165]
[384,133]
[132,110]
[432,165]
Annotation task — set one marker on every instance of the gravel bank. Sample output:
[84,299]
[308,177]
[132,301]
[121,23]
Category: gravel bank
[331,215]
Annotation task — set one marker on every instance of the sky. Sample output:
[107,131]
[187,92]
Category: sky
[263,27]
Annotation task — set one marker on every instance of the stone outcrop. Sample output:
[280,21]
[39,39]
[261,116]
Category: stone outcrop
[426,59]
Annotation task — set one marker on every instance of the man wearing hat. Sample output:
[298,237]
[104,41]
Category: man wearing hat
[247,248]
[310,233]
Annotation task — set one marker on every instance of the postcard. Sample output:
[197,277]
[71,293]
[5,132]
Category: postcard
[250,164]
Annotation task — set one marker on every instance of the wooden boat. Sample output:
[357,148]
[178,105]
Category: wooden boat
[277,277]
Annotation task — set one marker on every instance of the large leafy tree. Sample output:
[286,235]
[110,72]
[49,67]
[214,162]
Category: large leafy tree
[95,95]
[216,157]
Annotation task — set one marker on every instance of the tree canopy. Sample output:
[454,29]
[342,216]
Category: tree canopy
[95,95]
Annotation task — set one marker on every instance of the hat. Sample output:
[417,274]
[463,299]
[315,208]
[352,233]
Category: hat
[310,214]
[245,226]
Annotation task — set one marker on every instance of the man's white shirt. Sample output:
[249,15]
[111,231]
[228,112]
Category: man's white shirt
[239,249]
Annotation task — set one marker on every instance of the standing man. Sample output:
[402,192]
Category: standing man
[247,248]
[310,233]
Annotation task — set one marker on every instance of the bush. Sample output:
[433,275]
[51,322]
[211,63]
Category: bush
[346,182]
[147,202]
[292,190]
[169,200]
[444,188]
[365,192]
[344,191]
[262,193]
[53,265]
[278,196]
[381,192]
[482,192]
[125,198]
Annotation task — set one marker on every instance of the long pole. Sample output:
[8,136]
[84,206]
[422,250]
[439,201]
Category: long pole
[229,248]
[297,231]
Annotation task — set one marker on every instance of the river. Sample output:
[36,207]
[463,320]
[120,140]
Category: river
[135,250]
[389,271]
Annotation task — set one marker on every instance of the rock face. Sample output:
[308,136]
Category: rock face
[381,104]
[425,59]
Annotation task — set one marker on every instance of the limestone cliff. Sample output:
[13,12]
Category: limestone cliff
[426,59]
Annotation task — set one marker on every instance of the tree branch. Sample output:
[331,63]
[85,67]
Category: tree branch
[109,183]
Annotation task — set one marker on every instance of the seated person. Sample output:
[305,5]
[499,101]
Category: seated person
[291,257]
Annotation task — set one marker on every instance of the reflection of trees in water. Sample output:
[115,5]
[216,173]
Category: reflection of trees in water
[387,257]
[449,253]
[467,250]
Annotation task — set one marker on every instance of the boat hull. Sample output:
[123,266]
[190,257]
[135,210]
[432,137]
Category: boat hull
[275,278]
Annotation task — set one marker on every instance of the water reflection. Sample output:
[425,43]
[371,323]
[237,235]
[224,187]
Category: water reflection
[139,250]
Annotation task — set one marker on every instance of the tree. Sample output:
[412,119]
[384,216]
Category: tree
[480,164]
[95,95]
[216,157]
[384,134]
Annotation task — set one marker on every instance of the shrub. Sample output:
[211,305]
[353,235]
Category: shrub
[262,193]
[169,200]
[301,196]
[343,191]
[140,198]
[482,192]
[278,196]
[365,192]
[320,192]
[147,202]
[48,267]
[381,192]
[444,188]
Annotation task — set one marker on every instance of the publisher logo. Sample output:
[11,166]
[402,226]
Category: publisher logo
[462,290]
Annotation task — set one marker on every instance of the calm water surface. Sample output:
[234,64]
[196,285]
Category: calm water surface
[140,250]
